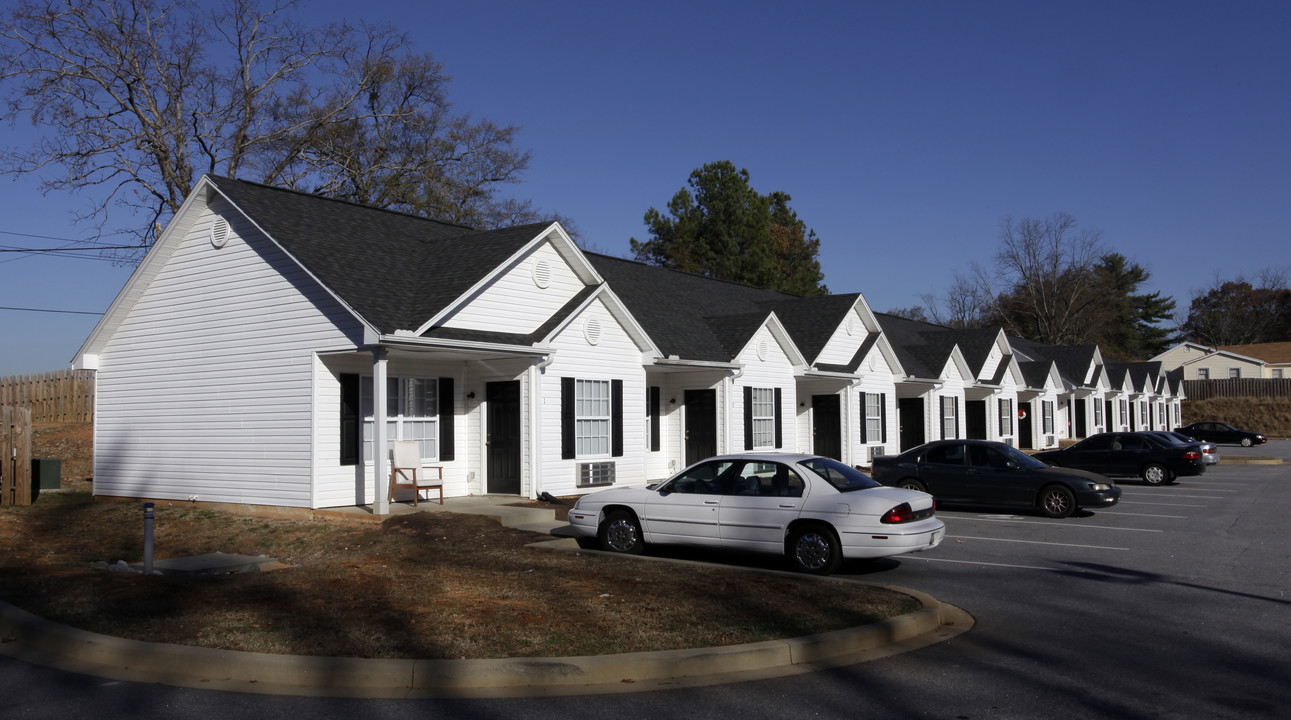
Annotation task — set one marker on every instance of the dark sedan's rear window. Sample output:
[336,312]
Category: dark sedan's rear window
[844,477]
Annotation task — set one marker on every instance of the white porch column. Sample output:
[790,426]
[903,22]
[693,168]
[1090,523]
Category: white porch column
[381,476]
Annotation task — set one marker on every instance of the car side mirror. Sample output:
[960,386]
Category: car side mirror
[1011,464]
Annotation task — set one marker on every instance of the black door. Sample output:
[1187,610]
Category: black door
[975,419]
[1082,430]
[1108,424]
[910,422]
[1025,413]
[503,438]
[826,426]
[701,425]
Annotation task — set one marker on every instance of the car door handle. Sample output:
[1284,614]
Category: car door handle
[789,505]
[711,502]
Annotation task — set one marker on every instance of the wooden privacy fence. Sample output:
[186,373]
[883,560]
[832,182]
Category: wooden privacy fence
[1237,387]
[59,396]
[15,456]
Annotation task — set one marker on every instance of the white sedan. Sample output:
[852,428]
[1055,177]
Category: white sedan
[814,510]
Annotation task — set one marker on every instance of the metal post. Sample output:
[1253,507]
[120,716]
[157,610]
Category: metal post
[147,538]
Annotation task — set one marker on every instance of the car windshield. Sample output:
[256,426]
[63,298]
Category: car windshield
[1022,459]
[844,477]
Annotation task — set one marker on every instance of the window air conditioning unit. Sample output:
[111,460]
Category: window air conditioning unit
[595,474]
[876,451]
[1048,440]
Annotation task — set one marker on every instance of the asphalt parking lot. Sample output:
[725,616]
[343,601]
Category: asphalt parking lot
[1172,604]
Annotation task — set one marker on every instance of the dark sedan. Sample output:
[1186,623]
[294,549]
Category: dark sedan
[980,472]
[1220,432]
[1130,453]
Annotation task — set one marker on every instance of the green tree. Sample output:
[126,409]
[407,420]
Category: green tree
[1128,322]
[135,99]
[1235,312]
[720,227]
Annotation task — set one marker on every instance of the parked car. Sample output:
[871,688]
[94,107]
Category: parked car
[992,473]
[1209,452]
[1129,453]
[814,510]
[1220,432]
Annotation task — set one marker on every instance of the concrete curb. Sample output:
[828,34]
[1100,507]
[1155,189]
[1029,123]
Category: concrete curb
[36,640]
[1239,460]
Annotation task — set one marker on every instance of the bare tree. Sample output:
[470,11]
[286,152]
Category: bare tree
[965,304]
[1047,268]
[138,97]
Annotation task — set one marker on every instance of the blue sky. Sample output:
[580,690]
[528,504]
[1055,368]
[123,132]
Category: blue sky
[905,132]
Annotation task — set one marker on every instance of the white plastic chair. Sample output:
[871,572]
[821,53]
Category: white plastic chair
[406,470]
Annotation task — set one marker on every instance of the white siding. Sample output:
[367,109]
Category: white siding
[205,389]
[614,357]
[842,345]
[772,371]
[513,303]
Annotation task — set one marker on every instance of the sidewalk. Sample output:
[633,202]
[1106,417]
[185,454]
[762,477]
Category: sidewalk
[33,639]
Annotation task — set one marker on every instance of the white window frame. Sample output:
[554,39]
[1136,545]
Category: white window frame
[1277,373]
[405,420]
[874,418]
[763,417]
[1006,416]
[949,422]
[592,418]
[1046,409]
[1098,413]
[1125,411]
[1234,373]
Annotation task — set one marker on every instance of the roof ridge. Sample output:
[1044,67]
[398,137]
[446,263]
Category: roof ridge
[351,203]
[697,275]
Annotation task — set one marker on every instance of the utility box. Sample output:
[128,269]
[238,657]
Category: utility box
[46,474]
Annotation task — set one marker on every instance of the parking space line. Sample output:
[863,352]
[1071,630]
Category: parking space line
[1109,512]
[1034,542]
[1187,497]
[975,562]
[1202,489]
[1141,502]
[1051,524]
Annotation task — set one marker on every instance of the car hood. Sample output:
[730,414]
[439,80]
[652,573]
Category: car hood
[1073,472]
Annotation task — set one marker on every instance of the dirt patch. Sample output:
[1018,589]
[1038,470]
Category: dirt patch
[425,585]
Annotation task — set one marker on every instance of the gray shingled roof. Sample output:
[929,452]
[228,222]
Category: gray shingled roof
[395,270]
[923,349]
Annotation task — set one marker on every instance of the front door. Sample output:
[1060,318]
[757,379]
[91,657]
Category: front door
[503,437]
[701,425]
[910,422]
[975,419]
[1024,426]
[1082,428]
[826,426]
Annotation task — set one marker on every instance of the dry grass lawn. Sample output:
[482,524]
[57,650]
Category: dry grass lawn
[426,585]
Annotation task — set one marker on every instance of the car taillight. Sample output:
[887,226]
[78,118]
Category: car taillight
[1192,455]
[899,514]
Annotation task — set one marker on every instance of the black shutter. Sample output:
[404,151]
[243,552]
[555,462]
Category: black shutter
[351,423]
[779,434]
[567,418]
[447,447]
[616,418]
[883,417]
[748,418]
[865,414]
[652,407]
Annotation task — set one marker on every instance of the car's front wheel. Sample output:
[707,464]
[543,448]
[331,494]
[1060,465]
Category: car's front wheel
[814,549]
[1246,442]
[620,532]
[1057,501]
[912,484]
[1155,474]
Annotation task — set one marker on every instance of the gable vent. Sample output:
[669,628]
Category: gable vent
[763,349]
[592,331]
[542,274]
[220,232]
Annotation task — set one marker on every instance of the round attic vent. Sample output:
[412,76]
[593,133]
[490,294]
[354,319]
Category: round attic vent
[762,350]
[592,331]
[851,326]
[542,274]
[219,232]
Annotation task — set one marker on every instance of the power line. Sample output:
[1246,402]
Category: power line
[42,310]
